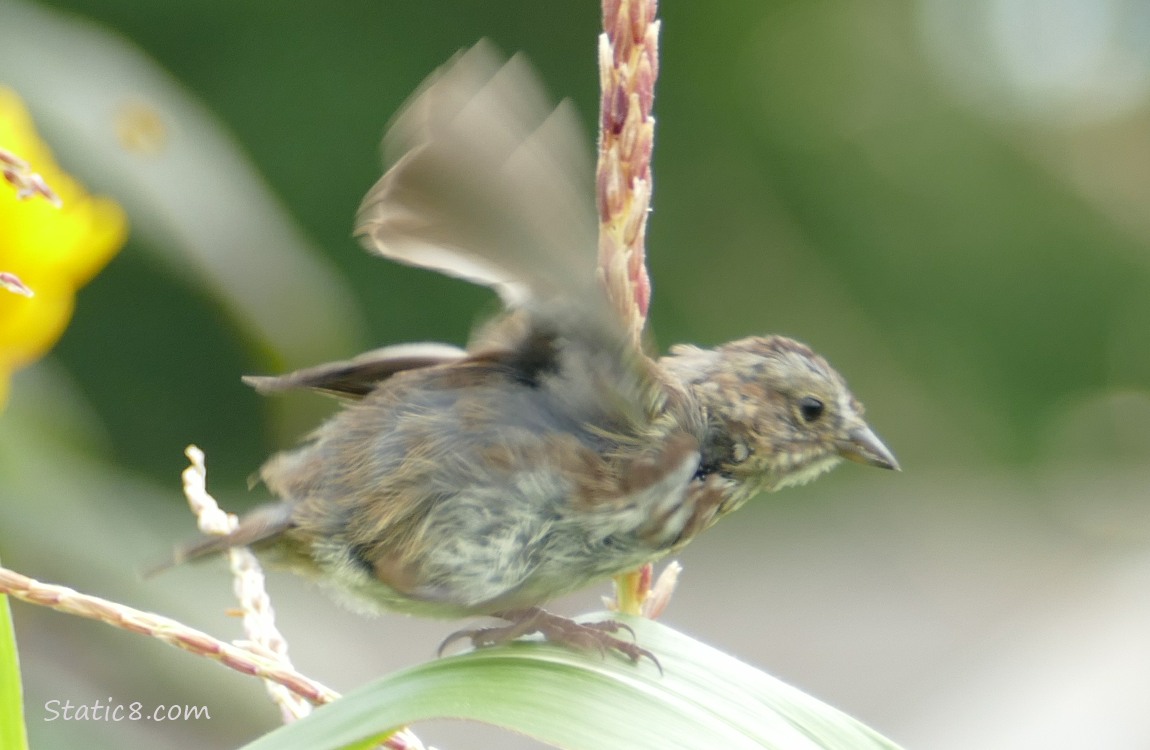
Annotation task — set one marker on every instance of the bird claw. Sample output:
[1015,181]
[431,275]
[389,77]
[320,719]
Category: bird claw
[596,636]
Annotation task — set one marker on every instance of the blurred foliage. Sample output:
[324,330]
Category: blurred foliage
[813,176]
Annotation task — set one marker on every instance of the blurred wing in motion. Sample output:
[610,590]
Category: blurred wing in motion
[488,183]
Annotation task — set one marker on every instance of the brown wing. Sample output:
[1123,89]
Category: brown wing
[487,182]
[356,377]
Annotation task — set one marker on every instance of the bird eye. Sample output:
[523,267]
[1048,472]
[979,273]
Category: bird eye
[810,408]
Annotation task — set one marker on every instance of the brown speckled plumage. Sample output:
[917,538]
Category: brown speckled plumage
[553,452]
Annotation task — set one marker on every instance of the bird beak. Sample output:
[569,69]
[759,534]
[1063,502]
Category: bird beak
[863,447]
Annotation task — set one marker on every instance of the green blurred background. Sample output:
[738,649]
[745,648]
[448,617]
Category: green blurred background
[950,200]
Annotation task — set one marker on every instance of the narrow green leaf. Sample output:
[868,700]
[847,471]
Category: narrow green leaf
[704,698]
[13,735]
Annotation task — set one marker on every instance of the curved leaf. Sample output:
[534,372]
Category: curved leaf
[704,698]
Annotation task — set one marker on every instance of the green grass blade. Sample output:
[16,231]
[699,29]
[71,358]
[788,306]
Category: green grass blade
[13,735]
[705,698]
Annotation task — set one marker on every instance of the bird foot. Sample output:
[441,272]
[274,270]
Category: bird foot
[591,636]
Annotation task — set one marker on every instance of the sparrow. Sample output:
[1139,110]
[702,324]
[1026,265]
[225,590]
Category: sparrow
[553,451]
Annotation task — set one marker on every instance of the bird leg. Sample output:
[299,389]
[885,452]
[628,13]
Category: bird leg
[597,636]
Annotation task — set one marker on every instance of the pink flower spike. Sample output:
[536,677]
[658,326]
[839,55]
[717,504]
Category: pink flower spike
[12,283]
[661,592]
[628,48]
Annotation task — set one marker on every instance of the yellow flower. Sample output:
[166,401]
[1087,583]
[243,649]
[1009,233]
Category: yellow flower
[52,250]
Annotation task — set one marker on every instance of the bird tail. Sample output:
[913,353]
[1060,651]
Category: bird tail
[261,524]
